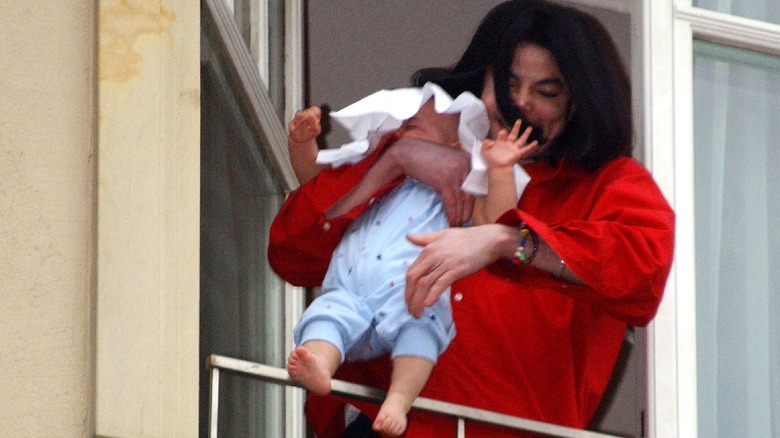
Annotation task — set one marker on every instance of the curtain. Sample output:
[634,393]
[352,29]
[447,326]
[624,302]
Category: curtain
[737,192]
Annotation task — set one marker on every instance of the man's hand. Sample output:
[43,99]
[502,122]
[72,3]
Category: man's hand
[442,168]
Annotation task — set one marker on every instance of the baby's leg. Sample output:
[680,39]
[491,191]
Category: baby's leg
[410,374]
[313,364]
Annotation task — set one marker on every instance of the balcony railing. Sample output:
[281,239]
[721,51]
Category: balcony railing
[462,413]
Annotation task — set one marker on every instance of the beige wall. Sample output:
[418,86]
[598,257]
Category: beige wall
[99,295]
[47,202]
[148,219]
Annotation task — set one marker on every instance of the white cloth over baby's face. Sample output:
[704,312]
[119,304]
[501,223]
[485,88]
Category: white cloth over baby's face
[376,115]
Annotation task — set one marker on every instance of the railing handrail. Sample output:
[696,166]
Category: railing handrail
[462,413]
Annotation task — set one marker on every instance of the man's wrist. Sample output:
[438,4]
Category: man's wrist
[506,242]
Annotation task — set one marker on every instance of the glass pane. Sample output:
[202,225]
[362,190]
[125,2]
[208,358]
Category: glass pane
[261,23]
[764,10]
[737,185]
[242,301]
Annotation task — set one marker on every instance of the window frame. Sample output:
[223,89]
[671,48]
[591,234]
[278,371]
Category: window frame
[245,30]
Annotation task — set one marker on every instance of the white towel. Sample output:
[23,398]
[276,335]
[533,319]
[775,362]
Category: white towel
[376,115]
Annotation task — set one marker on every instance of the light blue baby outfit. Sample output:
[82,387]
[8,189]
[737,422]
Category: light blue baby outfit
[362,310]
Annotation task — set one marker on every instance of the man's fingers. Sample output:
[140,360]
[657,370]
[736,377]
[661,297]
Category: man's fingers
[416,286]
[468,208]
[452,205]
[462,207]
[423,239]
[428,290]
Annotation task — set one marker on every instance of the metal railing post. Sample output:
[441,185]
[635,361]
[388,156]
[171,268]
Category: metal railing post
[214,402]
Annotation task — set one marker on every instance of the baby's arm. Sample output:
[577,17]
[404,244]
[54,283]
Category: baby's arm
[302,143]
[500,156]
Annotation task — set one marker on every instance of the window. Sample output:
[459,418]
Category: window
[712,80]
[244,179]
[736,102]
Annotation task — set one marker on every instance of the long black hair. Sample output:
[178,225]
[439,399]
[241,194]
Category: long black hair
[599,127]
[469,72]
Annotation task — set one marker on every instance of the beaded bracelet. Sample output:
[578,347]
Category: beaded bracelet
[519,258]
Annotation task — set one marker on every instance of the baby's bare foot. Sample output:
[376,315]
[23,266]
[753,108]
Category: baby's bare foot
[391,420]
[305,368]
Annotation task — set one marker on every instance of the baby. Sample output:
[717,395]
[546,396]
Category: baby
[362,312]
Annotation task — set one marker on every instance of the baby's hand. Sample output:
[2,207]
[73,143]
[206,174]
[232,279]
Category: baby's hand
[305,125]
[507,149]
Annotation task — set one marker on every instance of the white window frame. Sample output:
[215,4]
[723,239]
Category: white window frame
[295,422]
[253,18]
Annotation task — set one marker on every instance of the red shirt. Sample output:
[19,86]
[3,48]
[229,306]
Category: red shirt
[527,344]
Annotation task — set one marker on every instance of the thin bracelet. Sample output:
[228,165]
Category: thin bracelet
[561,269]
[535,249]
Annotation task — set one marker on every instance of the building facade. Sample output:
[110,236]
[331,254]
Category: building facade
[132,244]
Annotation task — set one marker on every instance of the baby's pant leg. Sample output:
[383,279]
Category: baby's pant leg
[336,317]
[417,340]
[427,336]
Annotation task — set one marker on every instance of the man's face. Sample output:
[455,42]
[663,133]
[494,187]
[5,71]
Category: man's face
[538,90]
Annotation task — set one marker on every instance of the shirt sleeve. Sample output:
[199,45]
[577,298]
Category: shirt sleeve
[622,249]
[301,240]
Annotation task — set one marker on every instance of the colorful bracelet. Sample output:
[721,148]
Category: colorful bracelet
[519,257]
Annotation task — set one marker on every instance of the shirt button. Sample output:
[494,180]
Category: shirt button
[458,296]
[326,226]
[371,201]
